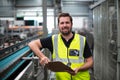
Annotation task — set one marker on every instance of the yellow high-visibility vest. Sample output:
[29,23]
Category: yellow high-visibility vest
[73,54]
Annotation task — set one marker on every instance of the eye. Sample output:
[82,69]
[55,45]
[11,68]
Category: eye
[67,22]
[62,23]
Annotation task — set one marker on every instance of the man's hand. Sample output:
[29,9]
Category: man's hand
[44,60]
[74,72]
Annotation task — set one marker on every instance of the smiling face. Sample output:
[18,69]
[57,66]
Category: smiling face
[65,25]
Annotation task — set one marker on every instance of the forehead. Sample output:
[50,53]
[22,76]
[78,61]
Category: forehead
[62,19]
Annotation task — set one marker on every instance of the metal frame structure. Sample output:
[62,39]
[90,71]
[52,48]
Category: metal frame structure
[118,39]
[107,40]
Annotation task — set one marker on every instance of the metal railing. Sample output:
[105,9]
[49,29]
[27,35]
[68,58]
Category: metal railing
[39,72]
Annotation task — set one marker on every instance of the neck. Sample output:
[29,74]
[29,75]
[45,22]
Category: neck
[67,37]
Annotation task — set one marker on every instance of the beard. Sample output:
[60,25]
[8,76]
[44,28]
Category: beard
[65,31]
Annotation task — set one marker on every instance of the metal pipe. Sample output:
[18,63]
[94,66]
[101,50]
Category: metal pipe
[54,14]
[30,58]
[118,39]
[96,4]
[44,8]
[21,74]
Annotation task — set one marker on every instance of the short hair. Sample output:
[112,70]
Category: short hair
[64,15]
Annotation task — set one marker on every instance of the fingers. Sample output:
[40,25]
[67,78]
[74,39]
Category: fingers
[76,70]
[70,72]
[44,60]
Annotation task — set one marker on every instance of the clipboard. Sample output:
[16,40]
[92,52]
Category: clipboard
[58,66]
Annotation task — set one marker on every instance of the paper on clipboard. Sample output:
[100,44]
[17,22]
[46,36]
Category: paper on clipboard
[58,66]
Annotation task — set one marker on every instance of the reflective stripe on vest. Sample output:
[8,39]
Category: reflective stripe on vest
[80,60]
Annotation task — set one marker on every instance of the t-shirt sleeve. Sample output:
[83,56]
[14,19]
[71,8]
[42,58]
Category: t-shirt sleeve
[47,43]
[87,51]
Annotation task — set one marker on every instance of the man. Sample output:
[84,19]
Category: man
[68,47]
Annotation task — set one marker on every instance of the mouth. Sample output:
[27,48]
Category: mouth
[65,29]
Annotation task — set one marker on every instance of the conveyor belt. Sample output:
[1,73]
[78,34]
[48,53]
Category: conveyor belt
[9,50]
[11,63]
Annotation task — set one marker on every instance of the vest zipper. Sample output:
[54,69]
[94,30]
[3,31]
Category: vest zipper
[69,63]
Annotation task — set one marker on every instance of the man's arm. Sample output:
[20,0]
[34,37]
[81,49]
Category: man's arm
[88,60]
[87,65]
[35,46]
